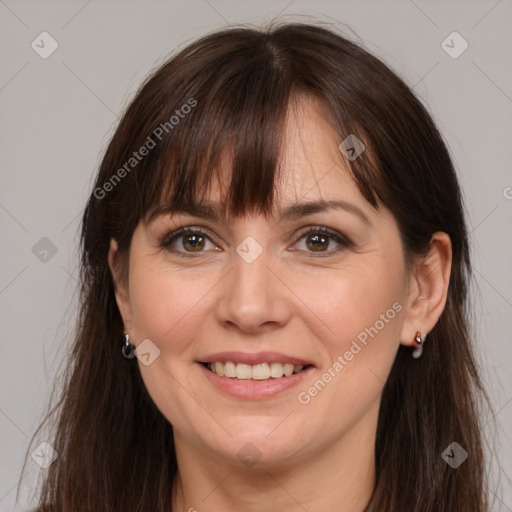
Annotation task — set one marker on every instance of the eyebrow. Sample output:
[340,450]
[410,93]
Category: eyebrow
[210,211]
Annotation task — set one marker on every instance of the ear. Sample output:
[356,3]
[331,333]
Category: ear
[120,279]
[428,289]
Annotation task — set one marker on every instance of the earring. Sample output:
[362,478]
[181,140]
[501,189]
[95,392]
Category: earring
[419,339]
[128,349]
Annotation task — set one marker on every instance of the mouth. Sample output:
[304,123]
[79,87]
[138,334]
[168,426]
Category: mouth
[259,381]
[258,372]
[255,376]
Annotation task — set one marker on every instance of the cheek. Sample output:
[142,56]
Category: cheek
[165,305]
[356,326]
[351,304]
[357,320]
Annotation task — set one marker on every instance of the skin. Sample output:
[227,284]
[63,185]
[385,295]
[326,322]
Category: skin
[318,455]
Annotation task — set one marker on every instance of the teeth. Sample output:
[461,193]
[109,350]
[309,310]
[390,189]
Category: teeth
[263,371]
[243,371]
[288,369]
[229,369]
[276,370]
[219,369]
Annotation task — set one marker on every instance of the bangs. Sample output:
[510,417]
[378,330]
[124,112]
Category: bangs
[237,122]
[221,104]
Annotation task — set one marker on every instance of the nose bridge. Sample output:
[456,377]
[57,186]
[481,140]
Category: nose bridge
[251,298]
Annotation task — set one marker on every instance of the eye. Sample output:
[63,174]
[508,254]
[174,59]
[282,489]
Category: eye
[187,240]
[193,240]
[318,239]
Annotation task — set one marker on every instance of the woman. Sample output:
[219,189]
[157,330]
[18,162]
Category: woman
[276,232]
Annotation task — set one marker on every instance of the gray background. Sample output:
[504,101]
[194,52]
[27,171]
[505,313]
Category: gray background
[59,113]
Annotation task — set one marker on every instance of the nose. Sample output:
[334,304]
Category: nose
[253,298]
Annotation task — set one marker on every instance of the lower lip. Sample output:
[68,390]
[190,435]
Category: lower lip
[254,389]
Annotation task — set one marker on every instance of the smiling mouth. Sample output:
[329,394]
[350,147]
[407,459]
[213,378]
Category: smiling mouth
[262,372]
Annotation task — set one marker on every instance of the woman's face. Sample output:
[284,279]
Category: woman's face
[262,290]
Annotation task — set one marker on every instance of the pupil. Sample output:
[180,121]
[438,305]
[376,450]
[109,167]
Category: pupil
[198,239]
[318,238]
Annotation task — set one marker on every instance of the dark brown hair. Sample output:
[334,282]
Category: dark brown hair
[231,90]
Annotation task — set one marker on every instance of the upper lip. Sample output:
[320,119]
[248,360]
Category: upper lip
[252,359]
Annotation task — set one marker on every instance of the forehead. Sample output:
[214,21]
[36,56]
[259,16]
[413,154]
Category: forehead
[311,166]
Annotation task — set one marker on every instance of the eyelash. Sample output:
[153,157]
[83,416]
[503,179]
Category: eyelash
[339,239]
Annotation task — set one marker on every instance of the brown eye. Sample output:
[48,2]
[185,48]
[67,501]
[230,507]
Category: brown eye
[321,240]
[193,242]
[317,242]
[186,241]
